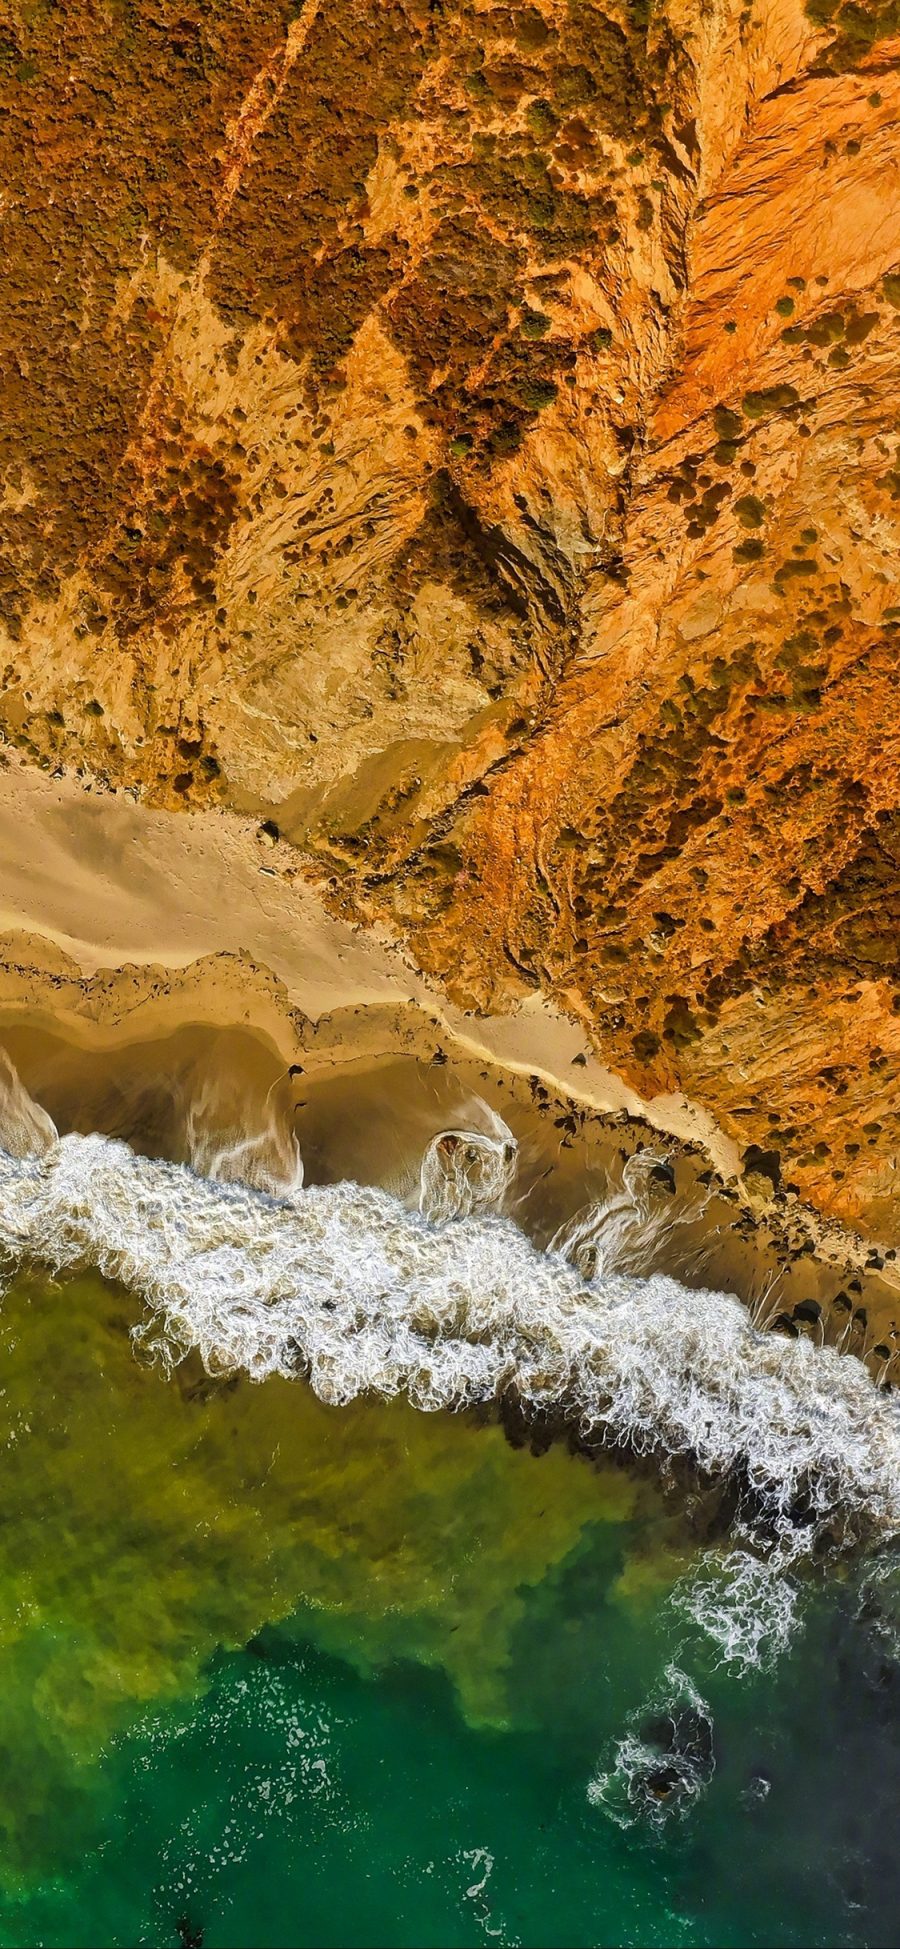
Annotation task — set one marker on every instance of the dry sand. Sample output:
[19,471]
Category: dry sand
[112,885]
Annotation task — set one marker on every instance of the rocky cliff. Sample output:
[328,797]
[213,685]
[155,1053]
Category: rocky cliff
[467,436]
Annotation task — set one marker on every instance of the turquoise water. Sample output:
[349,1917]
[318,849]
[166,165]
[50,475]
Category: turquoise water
[280,1673]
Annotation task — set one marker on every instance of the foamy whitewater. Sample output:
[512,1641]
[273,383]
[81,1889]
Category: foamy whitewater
[350,1287]
[665,1760]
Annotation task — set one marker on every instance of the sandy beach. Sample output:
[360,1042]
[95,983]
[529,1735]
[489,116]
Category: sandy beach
[151,960]
[135,918]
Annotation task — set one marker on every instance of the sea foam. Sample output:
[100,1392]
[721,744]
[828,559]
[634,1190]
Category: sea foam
[349,1287]
[665,1760]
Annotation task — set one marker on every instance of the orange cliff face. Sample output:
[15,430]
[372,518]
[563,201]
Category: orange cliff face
[469,434]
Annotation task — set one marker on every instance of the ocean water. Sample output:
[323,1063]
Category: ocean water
[301,1645]
[280,1672]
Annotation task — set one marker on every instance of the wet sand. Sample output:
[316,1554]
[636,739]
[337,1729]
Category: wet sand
[162,973]
[99,883]
[200,1092]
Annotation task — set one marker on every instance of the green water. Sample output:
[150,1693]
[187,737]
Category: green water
[281,1674]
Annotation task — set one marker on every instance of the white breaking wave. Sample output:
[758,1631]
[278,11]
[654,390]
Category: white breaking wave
[346,1285]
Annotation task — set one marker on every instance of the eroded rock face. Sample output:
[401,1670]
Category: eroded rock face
[468,434]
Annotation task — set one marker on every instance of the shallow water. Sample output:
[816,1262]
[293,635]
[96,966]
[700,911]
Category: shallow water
[344,1285]
[292,1663]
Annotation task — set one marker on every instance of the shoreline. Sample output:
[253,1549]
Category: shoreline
[169,890]
[120,924]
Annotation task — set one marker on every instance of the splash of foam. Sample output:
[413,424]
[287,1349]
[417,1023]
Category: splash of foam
[221,1144]
[348,1287]
[665,1760]
[627,1228]
[25,1128]
[746,1605]
[466,1171]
